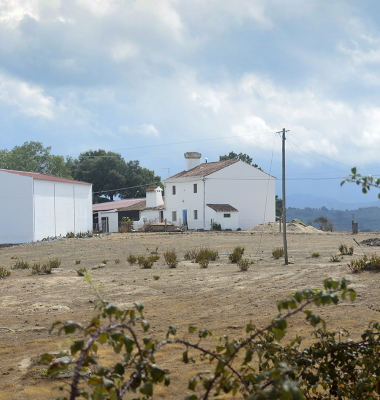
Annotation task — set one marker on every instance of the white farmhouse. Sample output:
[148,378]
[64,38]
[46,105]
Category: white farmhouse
[34,206]
[232,193]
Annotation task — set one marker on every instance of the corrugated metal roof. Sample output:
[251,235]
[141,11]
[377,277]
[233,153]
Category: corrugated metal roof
[44,177]
[112,205]
[222,207]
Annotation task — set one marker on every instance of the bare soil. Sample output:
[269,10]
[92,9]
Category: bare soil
[221,298]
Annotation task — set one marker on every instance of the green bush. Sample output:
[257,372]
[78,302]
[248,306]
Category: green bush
[54,263]
[191,254]
[117,261]
[156,277]
[243,264]
[206,254]
[344,251]
[256,365]
[335,259]
[236,254]
[278,252]
[4,273]
[21,264]
[171,258]
[39,269]
[315,255]
[204,263]
[145,262]
[365,264]
[82,271]
[77,262]
[131,259]
[216,226]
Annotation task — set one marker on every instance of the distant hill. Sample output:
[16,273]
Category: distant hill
[301,200]
[368,218]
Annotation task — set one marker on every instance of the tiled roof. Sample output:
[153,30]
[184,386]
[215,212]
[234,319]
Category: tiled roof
[204,169]
[222,207]
[118,204]
[44,177]
[135,207]
[161,207]
[152,189]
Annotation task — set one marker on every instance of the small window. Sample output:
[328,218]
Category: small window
[195,188]
[174,214]
[195,214]
[174,191]
[227,215]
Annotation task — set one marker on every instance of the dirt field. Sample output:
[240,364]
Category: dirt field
[220,297]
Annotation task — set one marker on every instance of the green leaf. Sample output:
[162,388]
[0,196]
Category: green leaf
[353,170]
[139,306]
[70,327]
[219,367]
[192,383]
[129,343]
[278,333]
[119,369]
[167,381]
[110,309]
[103,338]
[171,331]
[192,329]
[185,357]
[46,358]
[145,325]
[192,397]
[77,346]
[248,356]
[147,389]
[157,373]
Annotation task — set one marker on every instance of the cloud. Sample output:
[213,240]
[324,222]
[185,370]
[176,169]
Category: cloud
[143,130]
[28,99]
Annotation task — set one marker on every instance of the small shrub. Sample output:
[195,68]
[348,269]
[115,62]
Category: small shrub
[4,273]
[131,259]
[344,251]
[238,229]
[104,261]
[70,235]
[206,254]
[365,264]
[156,277]
[191,254]
[54,263]
[278,252]
[335,259]
[171,258]
[315,255]
[236,254]
[37,268]
[77,262]
[216,227]
[21,264]
[81,271]
[14,258]
[145,262]
[154,257]
[204,263]
[117,261]
[243,264]
[154,251]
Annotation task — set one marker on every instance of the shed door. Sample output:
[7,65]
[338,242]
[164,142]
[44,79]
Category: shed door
[105,225]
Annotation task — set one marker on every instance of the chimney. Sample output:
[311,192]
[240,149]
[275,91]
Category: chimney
[154,197]
[193,159]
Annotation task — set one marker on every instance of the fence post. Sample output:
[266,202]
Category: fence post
[212,225]
[280,225]
[165,224]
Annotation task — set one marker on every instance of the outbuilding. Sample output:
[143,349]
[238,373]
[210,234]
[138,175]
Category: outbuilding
[34,206]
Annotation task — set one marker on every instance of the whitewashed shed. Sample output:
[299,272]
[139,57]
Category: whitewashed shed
[34,206]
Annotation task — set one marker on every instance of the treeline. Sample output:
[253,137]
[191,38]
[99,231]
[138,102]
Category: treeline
[368,218]
[109,173]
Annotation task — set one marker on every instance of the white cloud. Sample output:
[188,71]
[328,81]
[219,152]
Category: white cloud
[143,130]
[29,99]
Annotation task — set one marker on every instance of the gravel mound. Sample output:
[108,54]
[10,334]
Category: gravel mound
[371,242]
[274,227]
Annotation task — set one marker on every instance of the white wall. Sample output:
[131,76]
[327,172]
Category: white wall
[16,208]
[226,223]
[249,190]
[186,199]
[146,216]
[61,207]
[113,220]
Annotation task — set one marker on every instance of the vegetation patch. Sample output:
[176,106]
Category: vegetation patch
[315,255]
[243,264]
[344,251]
[365,264]
[132,259]
[236,254]
[21,264]
[278,252]
[81,271]
[38,269]
[55,263]
[4,273]
[206,254]
[171,258]
[145,262]
[335,259]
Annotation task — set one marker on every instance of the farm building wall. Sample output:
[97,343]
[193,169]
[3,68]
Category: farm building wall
[16,205]
[186,200]
[61,207]
[113,220]
[227,220]
[246,188]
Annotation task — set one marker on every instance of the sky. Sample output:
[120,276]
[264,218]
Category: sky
[153,79]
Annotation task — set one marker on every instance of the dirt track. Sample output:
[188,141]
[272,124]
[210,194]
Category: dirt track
[220,297]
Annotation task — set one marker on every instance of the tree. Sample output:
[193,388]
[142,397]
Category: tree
[242,157]
[324,224]
[112,176]
[279,208]
[34,157]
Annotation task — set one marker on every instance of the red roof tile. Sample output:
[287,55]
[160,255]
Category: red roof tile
[204,169]
[44,177]
[116,205]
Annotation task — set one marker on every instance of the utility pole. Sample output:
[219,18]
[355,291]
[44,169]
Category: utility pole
[283,198]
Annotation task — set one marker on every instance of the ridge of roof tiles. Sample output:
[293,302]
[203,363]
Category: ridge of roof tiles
[44,177]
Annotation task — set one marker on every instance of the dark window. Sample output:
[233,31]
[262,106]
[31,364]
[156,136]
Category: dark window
[227,215]
[195,188]
[174,190]
[174,214]
[195,214]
